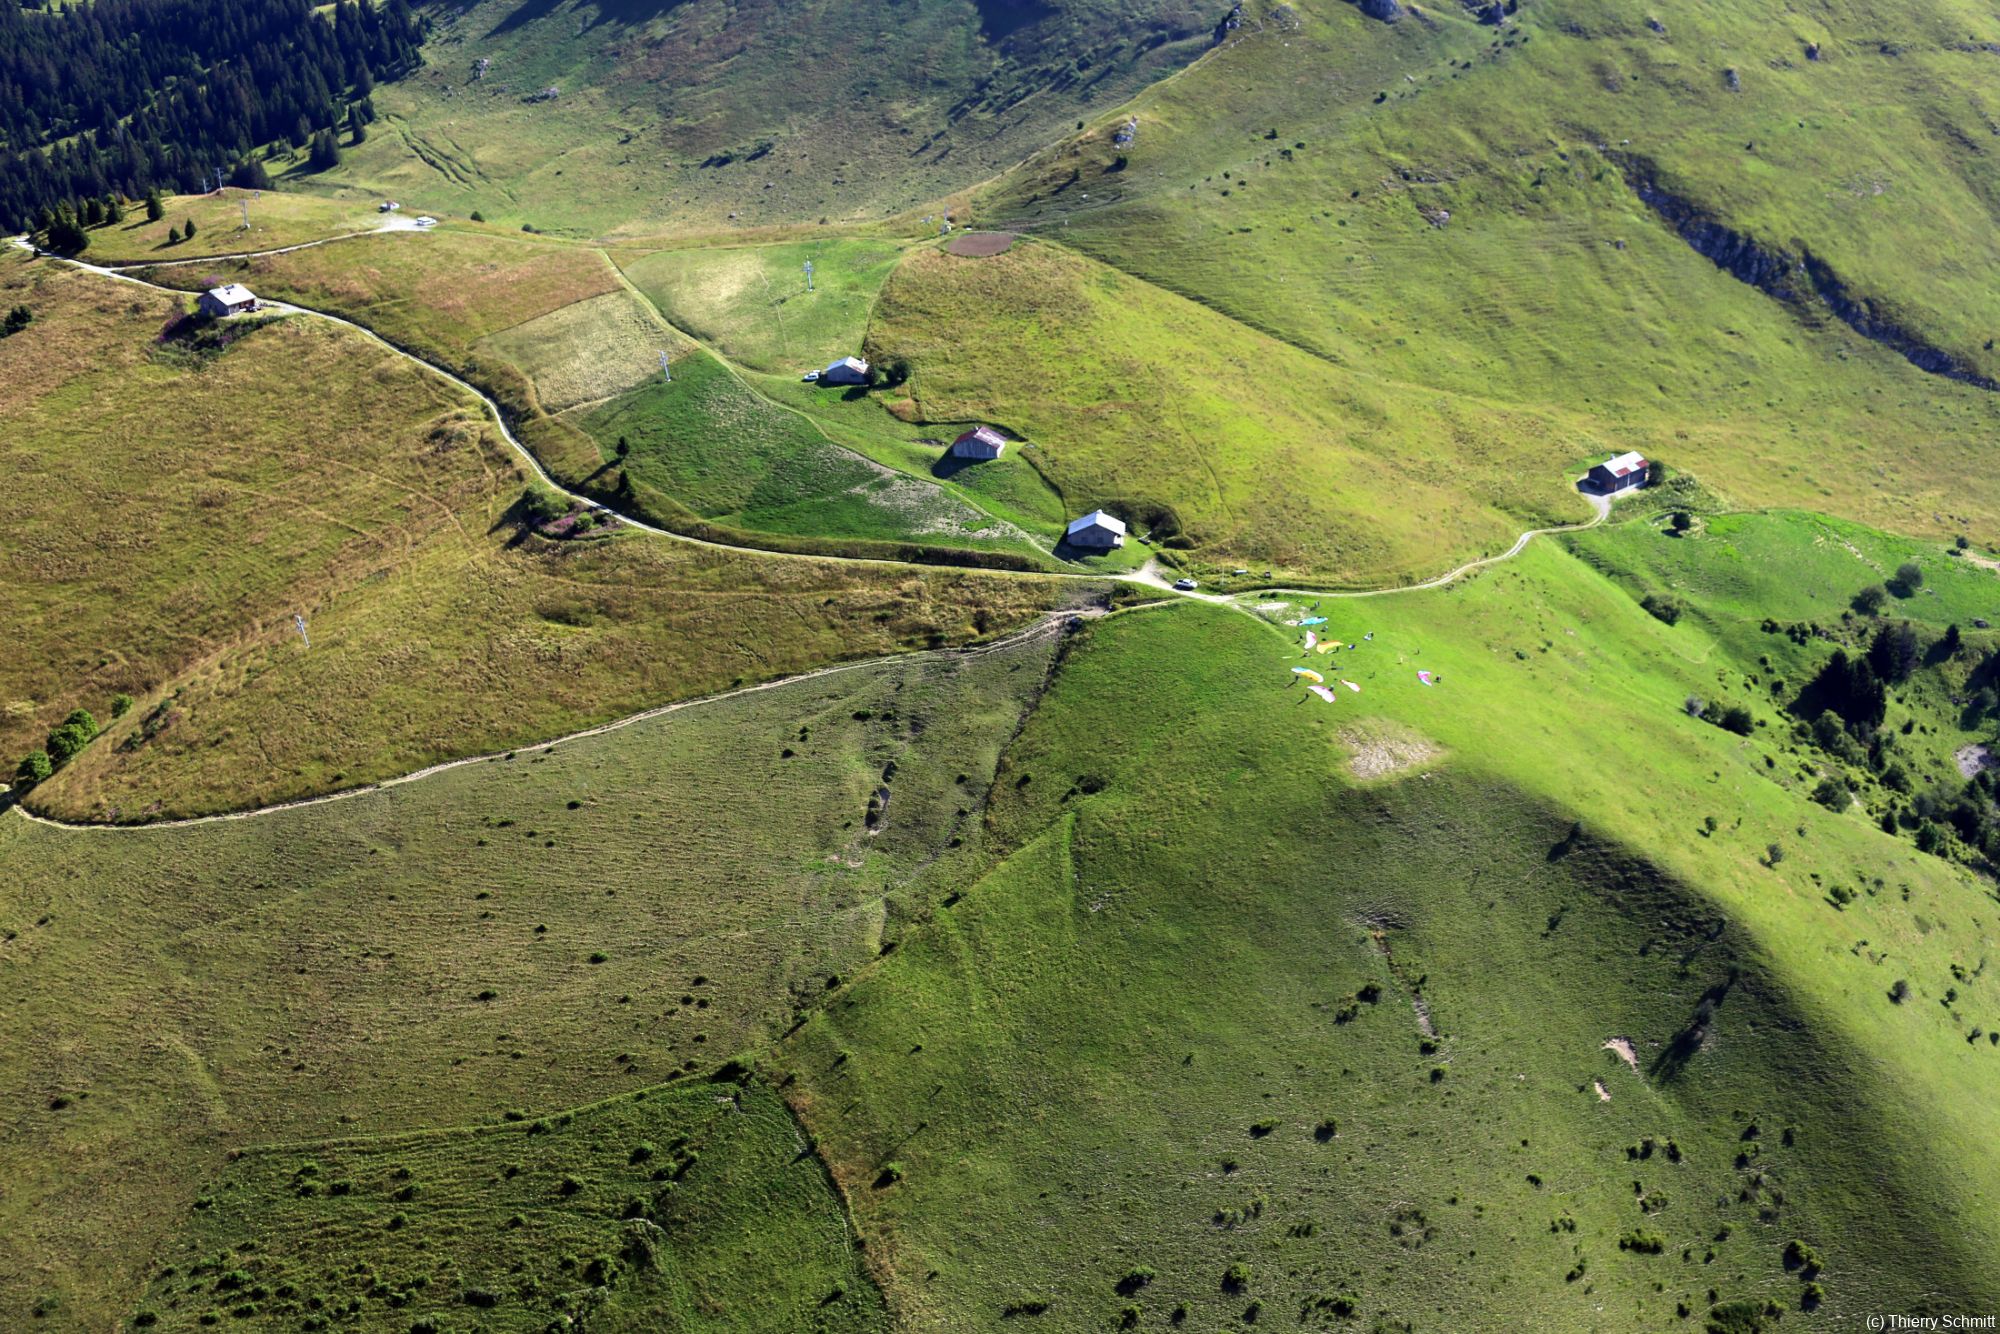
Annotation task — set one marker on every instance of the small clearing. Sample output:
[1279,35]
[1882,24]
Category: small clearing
[1381,751]
[1975,758]
[980,245]
[1623,1046]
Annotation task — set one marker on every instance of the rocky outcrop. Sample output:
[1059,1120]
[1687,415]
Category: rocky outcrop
[1388,11]
[1742,257]
[1866,318]
[1803,281]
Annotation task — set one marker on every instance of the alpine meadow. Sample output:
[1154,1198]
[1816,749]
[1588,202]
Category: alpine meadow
[913,666]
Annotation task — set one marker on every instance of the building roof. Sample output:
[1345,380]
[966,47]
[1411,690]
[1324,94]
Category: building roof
[1096,519]
[231,294]
[983,435]
[1625,464]
[855,364]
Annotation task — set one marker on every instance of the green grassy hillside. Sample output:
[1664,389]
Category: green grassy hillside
[751,302]
[1208,432]
[1323,992]
[506,938]
[1403,201]
[176,520]
[681,1208]
[706,112]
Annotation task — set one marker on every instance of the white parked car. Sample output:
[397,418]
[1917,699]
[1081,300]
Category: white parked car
[1185,585]
[427,222]
[810,376]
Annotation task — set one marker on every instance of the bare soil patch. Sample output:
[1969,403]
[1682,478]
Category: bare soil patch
[1623,1046]
[980,245]
[1381,751]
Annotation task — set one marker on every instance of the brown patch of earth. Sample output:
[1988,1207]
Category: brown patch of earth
[1381,751]
[980,245]
[1623,1046]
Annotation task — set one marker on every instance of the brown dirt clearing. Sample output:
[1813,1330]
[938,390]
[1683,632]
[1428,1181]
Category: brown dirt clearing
[980,245]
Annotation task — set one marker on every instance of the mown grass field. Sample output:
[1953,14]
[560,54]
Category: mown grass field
[520,936]
[1253,452]
[742,114]
[710,442]
[1227,1002]
[751,302]
[587,352]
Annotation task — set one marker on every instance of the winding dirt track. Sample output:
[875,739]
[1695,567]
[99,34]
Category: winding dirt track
[1149,576]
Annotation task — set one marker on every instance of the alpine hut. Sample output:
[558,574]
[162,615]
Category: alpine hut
[229,299]
[1619,474]
[848,370]
[1097,531]
[981,442]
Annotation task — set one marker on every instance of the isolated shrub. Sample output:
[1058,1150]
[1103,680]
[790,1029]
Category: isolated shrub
[1801,1256]
[1871,599]
[484,1298]
[120,705]
[477,216]
[1909,577]
[1695,706]
[70,736]
[1642,1242]
[1900,992]
[1262,1128]
[34,769]
[1681,521]
[1773,853]
[1662,608]
[1737,719]
[1326,1130]
[1236,1277]
[1833,794]
[1135,1278]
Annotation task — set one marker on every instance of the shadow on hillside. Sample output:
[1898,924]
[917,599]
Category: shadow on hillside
[950,465]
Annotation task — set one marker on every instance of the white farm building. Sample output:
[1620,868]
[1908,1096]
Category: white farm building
[848,370]
[1096,530]
[981,442]
[229,299]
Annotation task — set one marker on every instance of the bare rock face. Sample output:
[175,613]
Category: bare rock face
[1387,11]
[1653,22]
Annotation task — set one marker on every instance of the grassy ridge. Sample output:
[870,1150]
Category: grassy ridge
[168,511]
[277,218]
[533,933]
[1126,987]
